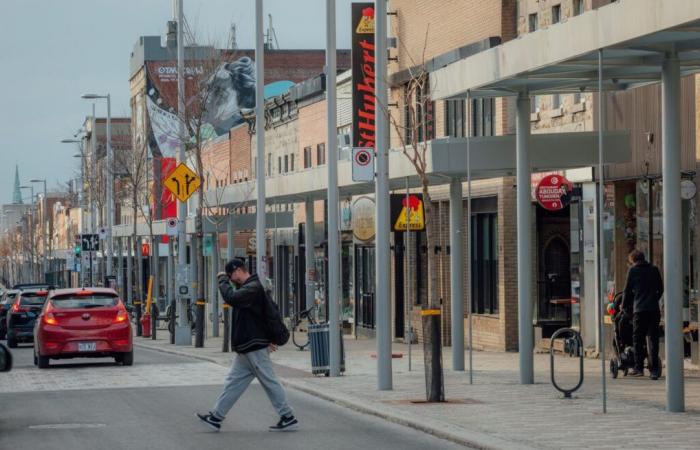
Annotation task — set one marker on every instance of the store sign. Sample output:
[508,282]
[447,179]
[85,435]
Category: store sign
[553,192]
[407,210]
[363,211]
[363,77]
[688,190]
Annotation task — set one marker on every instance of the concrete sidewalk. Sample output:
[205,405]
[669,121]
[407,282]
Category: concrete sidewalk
[496,411]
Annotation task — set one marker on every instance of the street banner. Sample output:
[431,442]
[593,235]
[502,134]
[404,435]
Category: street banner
[363,76]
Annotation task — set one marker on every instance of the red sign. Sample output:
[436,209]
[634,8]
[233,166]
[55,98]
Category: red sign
[553,192]
[363,101]
[145,249]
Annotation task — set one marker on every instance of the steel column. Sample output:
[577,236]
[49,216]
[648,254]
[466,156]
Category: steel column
[456,271]
[383,227]
[601,256]
[309,256]
[214,286]
[673,251]
[524,232]
[260,142]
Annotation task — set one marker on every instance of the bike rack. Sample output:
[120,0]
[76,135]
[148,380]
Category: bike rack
[579,342]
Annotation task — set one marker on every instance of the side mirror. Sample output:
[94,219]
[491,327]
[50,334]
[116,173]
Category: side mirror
[5,359]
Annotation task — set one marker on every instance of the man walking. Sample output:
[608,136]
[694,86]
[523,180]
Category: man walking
[643,291]
[250,340]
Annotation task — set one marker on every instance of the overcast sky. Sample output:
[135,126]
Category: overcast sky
[52,51]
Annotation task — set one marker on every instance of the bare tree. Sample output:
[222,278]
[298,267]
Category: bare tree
[413,137]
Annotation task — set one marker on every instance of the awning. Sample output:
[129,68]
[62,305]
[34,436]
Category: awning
[635,36]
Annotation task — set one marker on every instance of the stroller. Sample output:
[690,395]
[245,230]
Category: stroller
[622,342]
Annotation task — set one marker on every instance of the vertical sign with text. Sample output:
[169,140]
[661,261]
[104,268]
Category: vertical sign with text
[363,75]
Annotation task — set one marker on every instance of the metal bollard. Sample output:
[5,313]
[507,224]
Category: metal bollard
[579,342]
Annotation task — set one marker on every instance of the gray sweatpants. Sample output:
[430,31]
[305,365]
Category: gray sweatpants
[244,368]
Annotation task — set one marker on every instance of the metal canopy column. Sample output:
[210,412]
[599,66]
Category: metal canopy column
[524,231]
[671,159]
[456,270]
[309,252]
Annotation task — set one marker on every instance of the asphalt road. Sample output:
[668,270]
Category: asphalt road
[152,416]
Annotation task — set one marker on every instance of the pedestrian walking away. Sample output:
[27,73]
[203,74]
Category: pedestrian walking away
[253,337]
[643,291]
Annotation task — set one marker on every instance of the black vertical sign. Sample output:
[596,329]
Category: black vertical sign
[363,75]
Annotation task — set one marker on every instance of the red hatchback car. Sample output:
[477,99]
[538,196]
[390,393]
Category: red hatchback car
[83,323]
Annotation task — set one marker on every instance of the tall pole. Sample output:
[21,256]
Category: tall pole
[93,190]
[182,331]
[673,244]
[382,296]
[456,270]
[109,180]
[260,142]
[333,234]
[45,225]
[601,232]
[469,248]
[524,232]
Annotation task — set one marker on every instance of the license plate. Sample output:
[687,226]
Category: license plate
[87,346]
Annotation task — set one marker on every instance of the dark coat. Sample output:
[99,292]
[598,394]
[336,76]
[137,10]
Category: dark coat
[248,306]
[643,289]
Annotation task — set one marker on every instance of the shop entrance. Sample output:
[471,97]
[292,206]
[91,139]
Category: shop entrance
[554,287]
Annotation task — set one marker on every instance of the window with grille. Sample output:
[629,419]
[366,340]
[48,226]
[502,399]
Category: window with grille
[484,255]
[483,117]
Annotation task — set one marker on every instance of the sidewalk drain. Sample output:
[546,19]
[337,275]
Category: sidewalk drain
[453,401]
[66,426]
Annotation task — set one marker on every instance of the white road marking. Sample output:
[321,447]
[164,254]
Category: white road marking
[66,426]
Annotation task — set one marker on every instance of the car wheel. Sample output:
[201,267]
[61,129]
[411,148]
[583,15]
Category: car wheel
[11,341]
[42,361]
[36,361]
[126,359]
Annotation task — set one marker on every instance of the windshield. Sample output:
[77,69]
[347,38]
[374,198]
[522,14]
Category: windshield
[32,299]
[84,301]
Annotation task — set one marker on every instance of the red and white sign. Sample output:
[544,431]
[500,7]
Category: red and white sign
[362,164]
[553,192]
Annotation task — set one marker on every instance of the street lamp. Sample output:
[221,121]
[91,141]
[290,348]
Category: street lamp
[31,228]
[81,193]
[109,178]
[45,231]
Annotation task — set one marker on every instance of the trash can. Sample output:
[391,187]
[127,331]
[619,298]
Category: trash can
[318,340]
[146,325]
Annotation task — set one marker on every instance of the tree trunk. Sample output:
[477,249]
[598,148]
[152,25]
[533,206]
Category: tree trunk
[432,339]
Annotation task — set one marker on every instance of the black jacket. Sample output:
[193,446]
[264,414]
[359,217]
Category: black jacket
[248,302]
[643,289]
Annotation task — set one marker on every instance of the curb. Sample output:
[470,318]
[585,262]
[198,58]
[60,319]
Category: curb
[482,442]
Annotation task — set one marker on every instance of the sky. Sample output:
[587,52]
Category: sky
[53,51]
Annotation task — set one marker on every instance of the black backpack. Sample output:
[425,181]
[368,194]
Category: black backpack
[277,331]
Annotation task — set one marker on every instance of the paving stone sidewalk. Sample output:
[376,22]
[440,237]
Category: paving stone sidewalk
[496,411]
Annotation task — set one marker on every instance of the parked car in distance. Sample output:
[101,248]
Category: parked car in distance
[6,300]
[24,286]
[22,315]
[83,323]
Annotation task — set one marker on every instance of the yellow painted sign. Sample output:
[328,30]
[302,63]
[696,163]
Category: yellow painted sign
[182,182]
[411,212]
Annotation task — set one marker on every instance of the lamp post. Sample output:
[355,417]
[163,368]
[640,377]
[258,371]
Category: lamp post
[109,180]
[81,194]
[45,225]
[31,228]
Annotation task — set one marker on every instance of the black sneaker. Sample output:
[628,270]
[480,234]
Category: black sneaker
[210,420]
[636,373]
[288,423]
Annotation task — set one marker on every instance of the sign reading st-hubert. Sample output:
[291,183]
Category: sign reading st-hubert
[182,182]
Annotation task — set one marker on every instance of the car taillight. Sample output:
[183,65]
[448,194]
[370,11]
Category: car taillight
[15,308]
[122,316]
[50,319]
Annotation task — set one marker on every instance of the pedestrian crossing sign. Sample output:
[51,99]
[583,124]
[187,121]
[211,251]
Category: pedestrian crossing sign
[411,213]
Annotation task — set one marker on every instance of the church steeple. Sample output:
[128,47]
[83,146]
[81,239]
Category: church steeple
[17,194]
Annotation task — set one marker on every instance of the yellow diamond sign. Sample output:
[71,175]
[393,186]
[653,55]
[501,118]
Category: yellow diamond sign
[182,182]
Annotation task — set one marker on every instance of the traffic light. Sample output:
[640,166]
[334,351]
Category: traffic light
[78,249]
